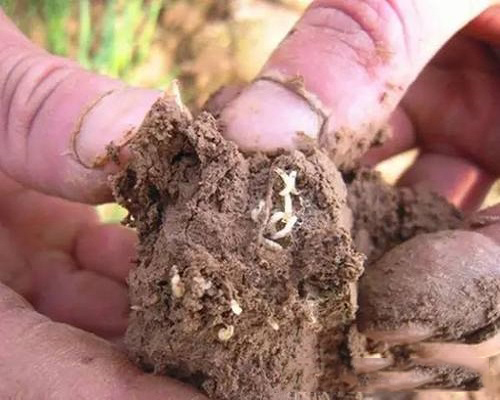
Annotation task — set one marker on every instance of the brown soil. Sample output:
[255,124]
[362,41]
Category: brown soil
[385,216]
[208,268]
[215,301]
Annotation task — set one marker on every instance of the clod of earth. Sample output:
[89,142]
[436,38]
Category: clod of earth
[248,263]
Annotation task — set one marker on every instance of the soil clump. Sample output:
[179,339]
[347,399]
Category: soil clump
[248,263]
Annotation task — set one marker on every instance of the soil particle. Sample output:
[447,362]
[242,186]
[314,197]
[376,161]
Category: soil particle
[237,314]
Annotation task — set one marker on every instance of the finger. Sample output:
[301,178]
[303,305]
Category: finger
[396,381]
[56,119]
[355,60]
[109,250]
[461,181]
[432,365]
[402,137]
[422,377]
[452,108]
[40,359]
[85,299]
[487,25]
[471,356]
[455,113]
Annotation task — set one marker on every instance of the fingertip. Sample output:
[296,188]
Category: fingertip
[107,249]
[457,179]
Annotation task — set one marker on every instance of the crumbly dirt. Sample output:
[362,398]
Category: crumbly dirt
[215,301]
[385,216]
[220,304]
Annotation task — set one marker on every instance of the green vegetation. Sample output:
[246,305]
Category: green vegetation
[127,33]
[113,40]
[55,13]
[7,5]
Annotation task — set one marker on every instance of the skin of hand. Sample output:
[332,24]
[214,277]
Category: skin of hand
[57,119]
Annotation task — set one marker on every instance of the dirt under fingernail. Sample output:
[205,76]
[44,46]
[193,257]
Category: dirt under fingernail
[248,263]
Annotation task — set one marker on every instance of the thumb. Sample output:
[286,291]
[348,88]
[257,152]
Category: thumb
[41,359]
[341,71]
[57,119]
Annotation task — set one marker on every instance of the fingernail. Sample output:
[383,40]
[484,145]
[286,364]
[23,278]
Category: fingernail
[268,116]
[221,98]
[114,117]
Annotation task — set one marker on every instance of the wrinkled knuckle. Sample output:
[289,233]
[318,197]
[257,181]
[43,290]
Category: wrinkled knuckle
[18,73]
[29,81]
[373,30]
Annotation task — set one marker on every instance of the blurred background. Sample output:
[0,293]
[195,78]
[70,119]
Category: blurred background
[202,43]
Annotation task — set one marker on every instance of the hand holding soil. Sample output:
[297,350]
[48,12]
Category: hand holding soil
[337,78]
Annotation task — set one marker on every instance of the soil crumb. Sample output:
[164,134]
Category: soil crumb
[246,284]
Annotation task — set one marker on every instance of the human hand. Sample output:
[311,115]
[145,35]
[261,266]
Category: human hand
[73,180]
[351,67]
[54,252]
